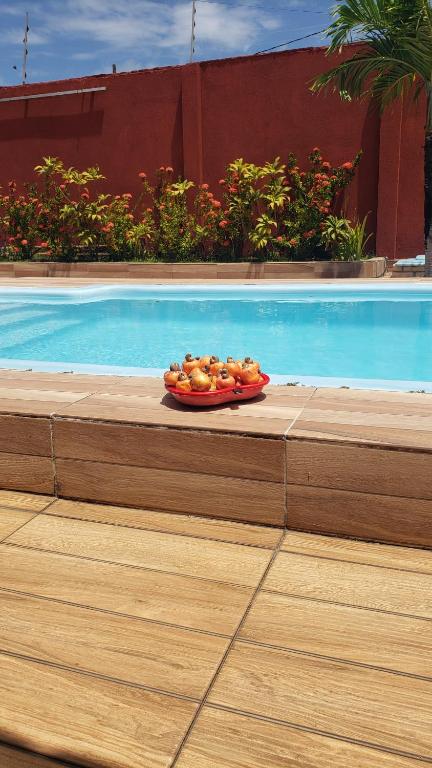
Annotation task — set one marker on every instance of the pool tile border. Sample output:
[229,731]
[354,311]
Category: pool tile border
[341,462]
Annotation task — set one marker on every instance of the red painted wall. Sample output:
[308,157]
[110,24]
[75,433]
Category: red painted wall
[199,117]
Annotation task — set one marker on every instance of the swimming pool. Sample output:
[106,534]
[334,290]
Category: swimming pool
[358,334]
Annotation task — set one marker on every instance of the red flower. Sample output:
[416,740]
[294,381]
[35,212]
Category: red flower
[347,166]
[326,165]
[44,245]
[162,169]
[216,203]
[316,149]
[233,190]
[223,223]
[127,196]
[24,242]
[225,243]
[62,186]
[169,169]
[142,175]
[222,182]
[149,210]
[204,186]
[84,195]
[11,239]
[162,206]
[279,239]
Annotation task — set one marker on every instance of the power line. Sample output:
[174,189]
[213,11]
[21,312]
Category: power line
[264,8]
[296,40]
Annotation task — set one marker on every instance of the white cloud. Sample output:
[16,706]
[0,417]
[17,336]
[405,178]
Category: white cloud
[138,28]
[15,36]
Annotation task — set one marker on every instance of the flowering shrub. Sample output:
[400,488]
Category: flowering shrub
[271,211]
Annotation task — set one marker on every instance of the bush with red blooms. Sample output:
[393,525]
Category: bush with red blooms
[272,211]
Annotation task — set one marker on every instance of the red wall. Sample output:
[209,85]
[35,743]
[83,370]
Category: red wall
[199,117]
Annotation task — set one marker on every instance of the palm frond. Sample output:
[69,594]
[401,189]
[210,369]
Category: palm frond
[397,51]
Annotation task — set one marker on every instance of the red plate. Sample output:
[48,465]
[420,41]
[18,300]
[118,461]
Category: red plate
[219,396]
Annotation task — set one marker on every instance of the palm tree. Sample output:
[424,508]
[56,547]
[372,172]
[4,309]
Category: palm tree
[395,61]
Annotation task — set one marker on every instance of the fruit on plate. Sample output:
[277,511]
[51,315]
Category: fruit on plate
[183,382]
[189,363]
[215,365]
[225,380]
[254,363]
[204,361]
[171,376]
[233,367]
[249,374]
[200,380]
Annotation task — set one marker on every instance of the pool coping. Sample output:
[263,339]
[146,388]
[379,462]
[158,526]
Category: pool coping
[346,462]
[310,270]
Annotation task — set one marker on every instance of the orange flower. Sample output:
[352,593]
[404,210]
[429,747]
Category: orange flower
[142,175]
[24,242]
[169,169]
[204,186]
[223,223]
[347,166]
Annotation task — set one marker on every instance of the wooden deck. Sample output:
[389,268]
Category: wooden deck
[346,462]
[141,639]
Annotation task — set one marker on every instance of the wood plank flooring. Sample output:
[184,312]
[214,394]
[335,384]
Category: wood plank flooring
[137,639]
[335,461]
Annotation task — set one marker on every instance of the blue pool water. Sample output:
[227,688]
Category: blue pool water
[362,334]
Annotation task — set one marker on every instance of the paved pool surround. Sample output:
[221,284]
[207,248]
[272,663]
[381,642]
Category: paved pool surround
[338,461]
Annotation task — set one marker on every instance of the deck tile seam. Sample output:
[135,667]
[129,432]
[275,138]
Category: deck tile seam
[348,605]
[360,443]
[53,459]
[318,732]
[325,657]
[355,562]
[172,533]
[99,676]
[285,437]
[254,432]
[309,396]
[225,656]
[355,490]
[97,609]
[11,533]
[208,431]
[127,565]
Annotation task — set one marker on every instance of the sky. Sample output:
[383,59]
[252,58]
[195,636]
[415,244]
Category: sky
[72,38]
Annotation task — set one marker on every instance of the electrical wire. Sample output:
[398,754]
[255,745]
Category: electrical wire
[296,40]
[260,7]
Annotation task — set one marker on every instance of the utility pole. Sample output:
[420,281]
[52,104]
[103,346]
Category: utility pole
[193,37]
[25,55]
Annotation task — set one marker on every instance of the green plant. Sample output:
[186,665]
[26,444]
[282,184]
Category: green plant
[344,240]
[395,60]
[272,210]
